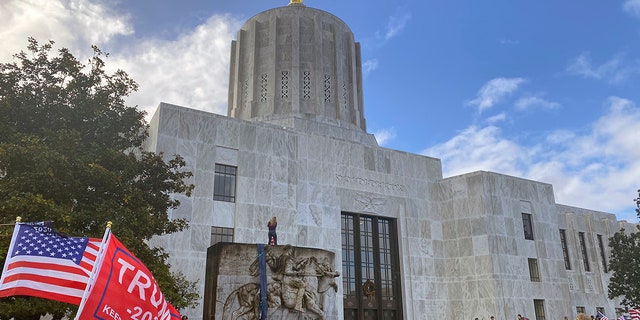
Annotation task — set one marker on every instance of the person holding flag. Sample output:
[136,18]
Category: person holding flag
[601,316]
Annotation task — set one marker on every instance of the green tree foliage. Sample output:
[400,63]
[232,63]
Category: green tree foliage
[625,264]
[71,152]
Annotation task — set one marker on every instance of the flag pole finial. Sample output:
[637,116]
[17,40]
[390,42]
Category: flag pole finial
[109,224]
[18,219]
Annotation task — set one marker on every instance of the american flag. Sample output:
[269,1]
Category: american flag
[602,316]
[43,263]
[634,313]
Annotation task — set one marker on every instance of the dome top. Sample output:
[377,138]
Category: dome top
[297,61]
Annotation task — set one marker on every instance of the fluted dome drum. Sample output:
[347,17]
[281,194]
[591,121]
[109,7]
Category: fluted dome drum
[297,61]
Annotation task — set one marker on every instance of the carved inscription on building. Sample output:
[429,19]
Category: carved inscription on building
[366,182]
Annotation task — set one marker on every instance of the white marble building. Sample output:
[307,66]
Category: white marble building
[294,145]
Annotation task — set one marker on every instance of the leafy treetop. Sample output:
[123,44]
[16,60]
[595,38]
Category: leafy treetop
[71,152]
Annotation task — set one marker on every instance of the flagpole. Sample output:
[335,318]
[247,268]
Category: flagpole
[94,270]
[18,220]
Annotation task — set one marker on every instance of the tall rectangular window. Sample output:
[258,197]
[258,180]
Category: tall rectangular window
[538,307]
[565,249]
[528,226]
[534,271]
[583,248]
[580,310]
[220,234]
[602,254]
[370,268]
[224,183]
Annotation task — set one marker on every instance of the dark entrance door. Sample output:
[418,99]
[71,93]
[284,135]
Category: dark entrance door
[370,268]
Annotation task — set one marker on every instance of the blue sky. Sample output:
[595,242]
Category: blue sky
[545,90]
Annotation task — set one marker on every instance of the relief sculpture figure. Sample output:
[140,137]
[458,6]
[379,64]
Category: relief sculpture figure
[296,285]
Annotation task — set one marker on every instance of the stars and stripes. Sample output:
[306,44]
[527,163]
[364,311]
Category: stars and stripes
[43,263]
[601,316]
[634,314]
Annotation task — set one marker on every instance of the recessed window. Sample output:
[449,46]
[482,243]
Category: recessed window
[224,183]
[565,249]
[534,271]
[370,268]
[583,248]
[580,310]
[538,307]
[603,257]
[528,226]
[220,234]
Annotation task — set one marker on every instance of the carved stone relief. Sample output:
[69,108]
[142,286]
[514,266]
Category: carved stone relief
[365,202]
[572,284]
[299,281]
[589,284]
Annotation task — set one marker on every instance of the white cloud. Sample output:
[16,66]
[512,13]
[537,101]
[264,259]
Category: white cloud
[396,24]
[502,116]
[530,102]
[369,66]
[191,71]
[478,148]
[72,24]
[494,91]
[632,6]
[598,169]
[614,71]
[384,136]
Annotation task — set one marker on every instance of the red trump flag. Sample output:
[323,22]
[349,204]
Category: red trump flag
[123,288]
[46,264]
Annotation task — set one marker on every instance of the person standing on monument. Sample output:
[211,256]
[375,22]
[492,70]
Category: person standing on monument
[273,237]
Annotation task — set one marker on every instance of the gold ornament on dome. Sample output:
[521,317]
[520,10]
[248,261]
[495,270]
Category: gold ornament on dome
[295,2]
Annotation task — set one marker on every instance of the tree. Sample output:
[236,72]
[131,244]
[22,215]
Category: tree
[71,152]
[625,264]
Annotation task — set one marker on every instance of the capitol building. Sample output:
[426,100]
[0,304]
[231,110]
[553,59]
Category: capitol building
[408,243]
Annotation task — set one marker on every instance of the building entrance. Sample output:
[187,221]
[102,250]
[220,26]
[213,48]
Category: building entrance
[370,268]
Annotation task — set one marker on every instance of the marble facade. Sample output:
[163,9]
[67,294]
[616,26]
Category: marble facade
[460,240]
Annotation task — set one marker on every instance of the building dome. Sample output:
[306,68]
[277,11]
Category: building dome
[297,61]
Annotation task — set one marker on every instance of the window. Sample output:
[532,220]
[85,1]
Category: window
[528,226]
[565,249]
[602,254]
[224,183]
[370,268]
[580,310]
[220,234]
[538,307]
[534,272]
[583,247]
